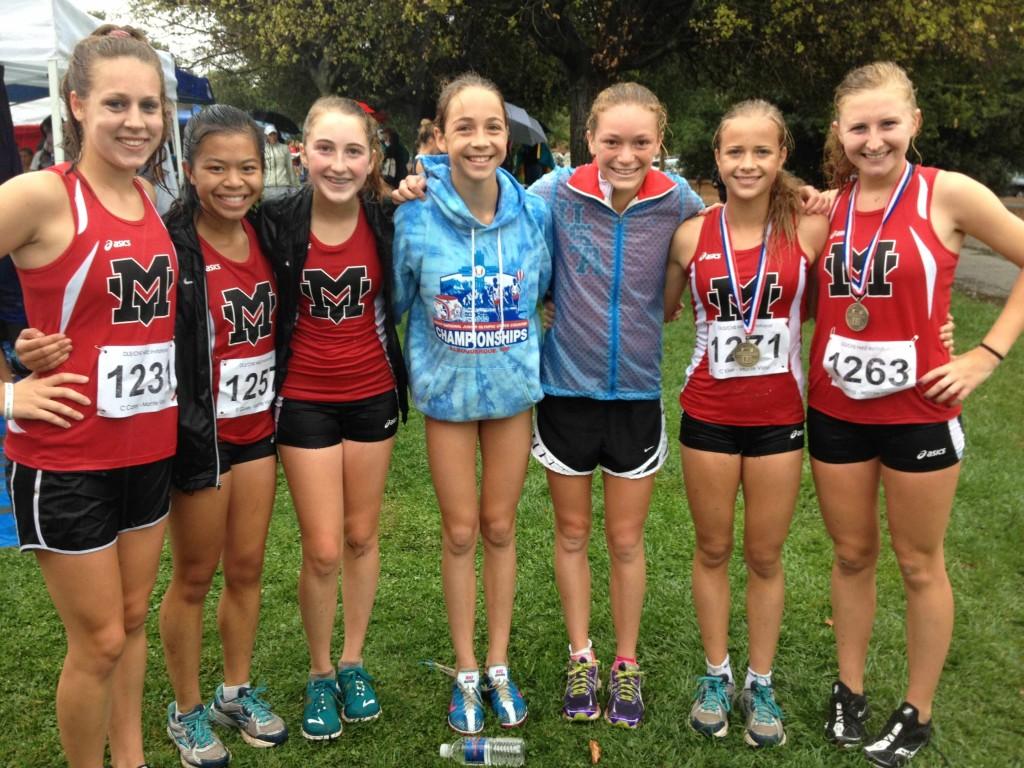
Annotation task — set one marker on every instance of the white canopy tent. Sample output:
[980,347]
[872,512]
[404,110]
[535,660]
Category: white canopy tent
[38,38]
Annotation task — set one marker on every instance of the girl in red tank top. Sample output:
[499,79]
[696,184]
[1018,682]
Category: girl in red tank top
[742,406]
[879,382]
[226,470]
[96,262]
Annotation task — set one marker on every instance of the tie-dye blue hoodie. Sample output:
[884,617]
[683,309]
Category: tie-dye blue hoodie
[472,291]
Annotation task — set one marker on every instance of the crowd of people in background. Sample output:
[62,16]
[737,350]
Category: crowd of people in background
[195,349]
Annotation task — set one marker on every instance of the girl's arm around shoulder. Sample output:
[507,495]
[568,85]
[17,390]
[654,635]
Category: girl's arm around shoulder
[680,256]
[812,233]
[691,201]
[545,186]
[36,224]
[962,205]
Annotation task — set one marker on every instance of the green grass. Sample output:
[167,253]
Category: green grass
[979,710]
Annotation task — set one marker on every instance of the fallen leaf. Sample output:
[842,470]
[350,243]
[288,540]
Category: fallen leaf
[595,752]
[829,622]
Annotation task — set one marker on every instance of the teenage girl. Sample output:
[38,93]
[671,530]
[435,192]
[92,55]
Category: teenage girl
[742,421]
[342,388]
[613,222]
[885,395]
[96,264]
[472,262]
[225,470]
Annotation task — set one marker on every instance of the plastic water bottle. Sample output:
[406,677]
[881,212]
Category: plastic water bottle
[484,751]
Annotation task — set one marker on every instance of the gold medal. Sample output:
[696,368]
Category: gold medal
[857,316]
[746,354]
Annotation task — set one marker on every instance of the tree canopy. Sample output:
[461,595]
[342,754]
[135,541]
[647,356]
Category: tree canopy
[553,56]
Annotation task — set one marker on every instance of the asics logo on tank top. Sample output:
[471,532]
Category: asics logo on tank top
[141,292]
[720,296]
[886,260]
[335,298]
[249,315]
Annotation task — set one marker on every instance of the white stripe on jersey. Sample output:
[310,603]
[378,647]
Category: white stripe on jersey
[930,268]
[700,321]
[83,211]
[922,197]
[796,366]
[74,288]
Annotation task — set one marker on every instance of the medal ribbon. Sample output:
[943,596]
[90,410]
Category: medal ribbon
[859,285]
[734,274]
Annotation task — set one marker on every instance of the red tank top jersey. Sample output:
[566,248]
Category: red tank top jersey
[242,301]
[112,292]
[766,399]
[338,347]
[908,295]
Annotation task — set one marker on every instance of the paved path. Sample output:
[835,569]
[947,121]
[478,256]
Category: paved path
[984,273]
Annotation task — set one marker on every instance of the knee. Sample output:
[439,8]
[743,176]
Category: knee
[244,572]
[99,651]
[460,540]
[498,533]
[360,543]
[572,537]
[921,570]
[321,558]
[193,581]
[853,559]
[136,610]
[763,563]
[714,553]
[626,546]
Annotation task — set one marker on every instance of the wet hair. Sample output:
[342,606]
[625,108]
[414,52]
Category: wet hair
[217,119]
[627,93]
[375,186]
[784,204]
[453,88]
[880,74]
[108,41]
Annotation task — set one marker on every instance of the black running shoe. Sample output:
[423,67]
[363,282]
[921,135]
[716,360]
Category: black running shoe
[847,713]
[900,740]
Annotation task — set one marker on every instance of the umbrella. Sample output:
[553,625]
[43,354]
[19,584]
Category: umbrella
[285,124]
[522,128]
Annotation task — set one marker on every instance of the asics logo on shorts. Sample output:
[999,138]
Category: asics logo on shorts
[390,422]
[795,434]
[929,454]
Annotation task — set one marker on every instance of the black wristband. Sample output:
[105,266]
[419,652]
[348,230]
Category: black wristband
[987,348]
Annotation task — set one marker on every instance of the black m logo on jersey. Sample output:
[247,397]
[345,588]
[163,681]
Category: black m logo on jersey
[141,293]
[885,261]
[720,295]
[335,298]
[250,316]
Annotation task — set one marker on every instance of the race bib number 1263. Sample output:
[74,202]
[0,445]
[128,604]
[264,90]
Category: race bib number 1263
[868,369]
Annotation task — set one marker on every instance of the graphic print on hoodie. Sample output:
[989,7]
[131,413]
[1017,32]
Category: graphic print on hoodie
[472,290]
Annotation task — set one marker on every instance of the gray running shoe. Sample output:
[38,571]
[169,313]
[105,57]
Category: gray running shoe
[709,714]
[251,715]
[198,746]
[763,716]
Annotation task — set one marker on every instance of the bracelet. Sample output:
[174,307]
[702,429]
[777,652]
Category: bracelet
[987,348]
[8,401]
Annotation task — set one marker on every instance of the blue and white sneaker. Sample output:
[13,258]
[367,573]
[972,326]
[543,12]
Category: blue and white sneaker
[466,710]
[320,719]
[198,746]
[358,697]
[251,715]
[763,716]
[709,714]
[504,697]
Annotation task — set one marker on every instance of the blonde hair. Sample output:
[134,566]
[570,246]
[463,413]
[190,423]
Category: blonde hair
[784,202]
[453,88]
[880,74]
[628,93]
[375,185]
[108,41]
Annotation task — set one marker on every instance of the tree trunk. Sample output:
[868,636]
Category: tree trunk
[584,85]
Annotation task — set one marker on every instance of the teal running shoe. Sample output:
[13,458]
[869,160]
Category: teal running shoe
[358,696]
[504,697]
[709,714]
[466,710]
[763,716]
[251,715]
[320,720]
[198,746]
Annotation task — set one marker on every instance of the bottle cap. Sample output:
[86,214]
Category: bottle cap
[446,750]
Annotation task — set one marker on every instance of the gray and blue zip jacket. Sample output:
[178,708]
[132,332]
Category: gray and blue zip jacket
[472,291]
[609,282]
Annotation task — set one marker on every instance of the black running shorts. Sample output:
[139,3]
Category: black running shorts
[303,424]
[747,441]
